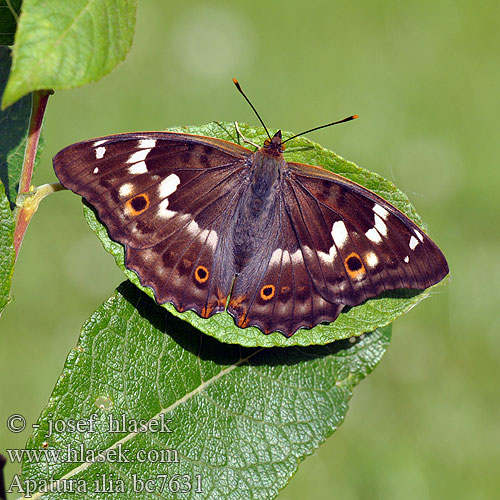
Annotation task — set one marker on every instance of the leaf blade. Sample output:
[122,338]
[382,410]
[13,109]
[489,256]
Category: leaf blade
[61,45]
[7,253]
[14,126]
[243,418]
[9,13]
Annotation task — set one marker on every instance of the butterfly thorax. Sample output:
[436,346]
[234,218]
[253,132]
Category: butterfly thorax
[259,200]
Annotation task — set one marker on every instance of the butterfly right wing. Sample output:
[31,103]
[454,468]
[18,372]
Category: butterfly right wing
[165,196]
[356,244]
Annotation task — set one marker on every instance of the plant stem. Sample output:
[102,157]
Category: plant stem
[24,213]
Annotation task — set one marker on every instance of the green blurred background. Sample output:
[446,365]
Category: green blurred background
[423,76]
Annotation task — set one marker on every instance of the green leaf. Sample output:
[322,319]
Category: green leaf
[9,12]
[367,317]
[7,254]
[14,126]
[61,44]
[239,419]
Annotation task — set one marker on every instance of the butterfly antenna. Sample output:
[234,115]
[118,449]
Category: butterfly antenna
[348,119]
[251,105]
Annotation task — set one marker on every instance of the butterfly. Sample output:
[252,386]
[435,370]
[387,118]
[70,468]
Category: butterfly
[211,226]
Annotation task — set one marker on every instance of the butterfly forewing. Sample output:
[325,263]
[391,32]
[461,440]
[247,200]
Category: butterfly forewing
[134,180]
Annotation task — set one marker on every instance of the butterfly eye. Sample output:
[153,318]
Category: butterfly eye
[201,274]
[138,204]
[354,265]
[267,292]
[267,142]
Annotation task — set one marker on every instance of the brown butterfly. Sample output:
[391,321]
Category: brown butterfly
[211,226]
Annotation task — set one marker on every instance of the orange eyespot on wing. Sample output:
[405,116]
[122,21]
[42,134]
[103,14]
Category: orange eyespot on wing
[201,274]
[137,205]
[354,265]
[267,292]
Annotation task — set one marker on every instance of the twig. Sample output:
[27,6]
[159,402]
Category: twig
[24,213]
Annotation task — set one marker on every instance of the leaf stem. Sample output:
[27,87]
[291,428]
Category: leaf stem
[24,213]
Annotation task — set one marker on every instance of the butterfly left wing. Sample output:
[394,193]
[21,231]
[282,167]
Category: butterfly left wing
[165,197]
[355,244]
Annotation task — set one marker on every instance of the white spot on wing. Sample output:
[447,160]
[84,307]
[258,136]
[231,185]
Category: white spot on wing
[371,259]
[168,185]
[138,168]
[378,209]
[212,239]
[307,252]
[373,235]
[163,210]
[380,225]
[138,156]
[99,152]
[96,170]
[407,259]
[147,143]
[413,242]
[339,233]
[419,235]
[194,228]
[147,254]
[327,258]
[125,189]
[296,257]
[276,257]
[98,143]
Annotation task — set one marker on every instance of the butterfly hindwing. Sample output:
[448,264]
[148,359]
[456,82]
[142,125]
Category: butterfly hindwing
[185,269]
[192,265]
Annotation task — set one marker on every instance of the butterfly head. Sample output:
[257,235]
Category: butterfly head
[274,146]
